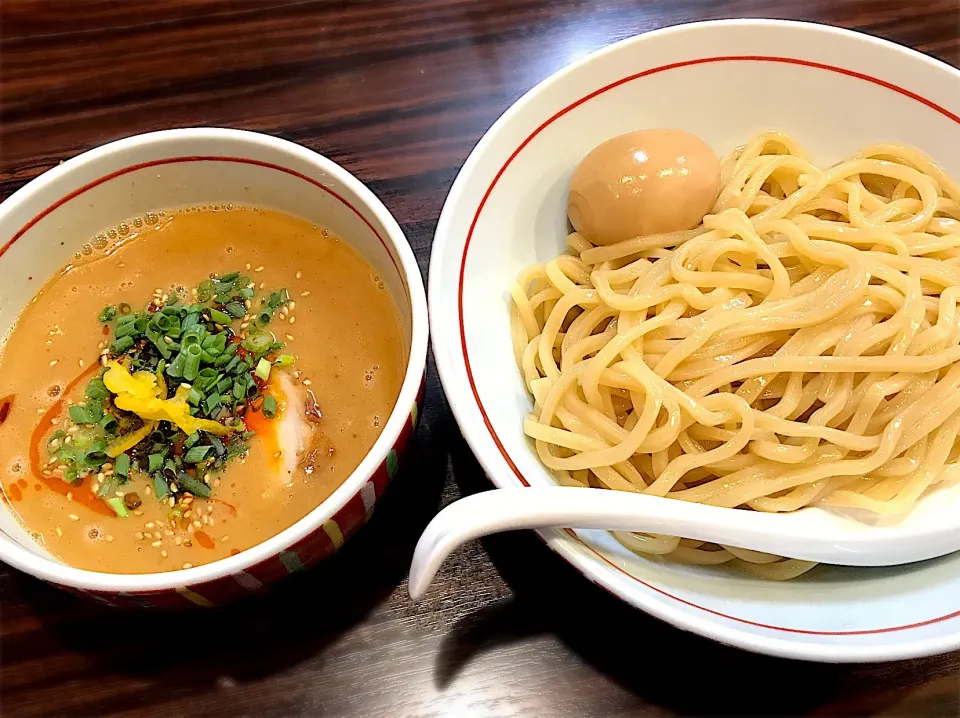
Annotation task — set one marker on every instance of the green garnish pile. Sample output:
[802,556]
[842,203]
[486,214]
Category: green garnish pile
[218,349]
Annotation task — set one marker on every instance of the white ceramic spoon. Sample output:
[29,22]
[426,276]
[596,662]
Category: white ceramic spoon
[810,534]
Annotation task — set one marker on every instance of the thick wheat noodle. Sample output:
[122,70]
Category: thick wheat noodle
[799,348]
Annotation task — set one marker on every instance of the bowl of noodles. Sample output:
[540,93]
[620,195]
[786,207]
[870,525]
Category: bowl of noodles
[780,337]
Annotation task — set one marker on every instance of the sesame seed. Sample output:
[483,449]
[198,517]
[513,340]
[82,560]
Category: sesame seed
[80,363]
[262,285]
[307,382]
[247,304]
[299,274]
[163,554]
[54,362]
[109,538]
[188,565]
[293,319]
[259,269]
[149,525]
[168,340]
[248,265]
[157,544]
[157,535]
[59,531]
[278,454]
[305,294]
[293,305]
[177,540]
[69,496]
[73,517]
[173,487]
[197,524]
[224,538]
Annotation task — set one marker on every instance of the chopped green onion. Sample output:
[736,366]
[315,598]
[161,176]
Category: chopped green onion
[192,485]
[197,454]
[96,389]
[263,370]
[264,318]
[258,343]
[154,462]
[212,403]
[121,345]
[121,465]
[228,278]
[285,360]
[218,447]
[246,293]
[108,423]
[124,308]
[192,439]
[276,300]
[160,487]
[205,290]
[191,354]
[108,487]
[220,317]
[107,314]
[89,414]
[269,407]
[71,475]
[235,310]
[194,397]
[116,503]
[125,329]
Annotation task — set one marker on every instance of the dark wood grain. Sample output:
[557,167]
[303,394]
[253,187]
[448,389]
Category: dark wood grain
[398,93]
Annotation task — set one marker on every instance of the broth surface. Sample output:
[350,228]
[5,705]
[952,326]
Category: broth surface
[342,326]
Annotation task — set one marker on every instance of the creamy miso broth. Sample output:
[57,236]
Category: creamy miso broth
[192,383]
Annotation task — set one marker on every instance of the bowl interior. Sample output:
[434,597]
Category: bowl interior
[70,205]
[834,92]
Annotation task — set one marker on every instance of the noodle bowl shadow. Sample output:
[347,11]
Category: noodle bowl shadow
[725,82]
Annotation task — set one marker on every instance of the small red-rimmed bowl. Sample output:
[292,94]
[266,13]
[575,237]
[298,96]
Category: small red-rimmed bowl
[835,91]
[174,168]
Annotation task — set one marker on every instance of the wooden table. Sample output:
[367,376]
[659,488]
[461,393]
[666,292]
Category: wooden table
[398,93]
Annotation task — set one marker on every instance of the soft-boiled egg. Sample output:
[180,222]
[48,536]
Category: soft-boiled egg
[641,183]
[286,438]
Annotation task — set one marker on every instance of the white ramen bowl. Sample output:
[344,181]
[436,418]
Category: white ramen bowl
[46,222]
[832,90]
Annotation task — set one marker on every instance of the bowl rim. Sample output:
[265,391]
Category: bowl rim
[448,355]
[394,240]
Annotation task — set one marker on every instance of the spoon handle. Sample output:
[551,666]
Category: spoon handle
[543,507]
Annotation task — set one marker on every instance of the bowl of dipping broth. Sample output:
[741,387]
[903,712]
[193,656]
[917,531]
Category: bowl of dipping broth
[213,352]
[693,265]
